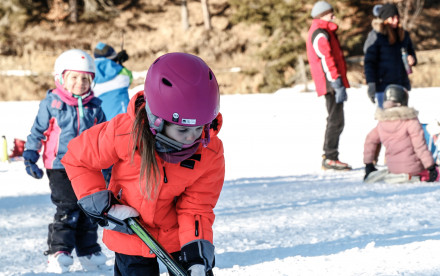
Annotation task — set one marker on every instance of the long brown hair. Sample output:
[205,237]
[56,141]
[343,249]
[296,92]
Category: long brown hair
[143,140]
[397,34]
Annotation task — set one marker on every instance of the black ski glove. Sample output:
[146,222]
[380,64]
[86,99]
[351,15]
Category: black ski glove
[372,91]
[121,57]
[197,257]
[369,168]
[103,207]
[433,173]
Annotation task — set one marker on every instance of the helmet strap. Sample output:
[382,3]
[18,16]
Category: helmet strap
[59,79]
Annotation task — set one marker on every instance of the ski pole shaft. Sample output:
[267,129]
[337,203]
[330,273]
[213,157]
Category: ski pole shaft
[156,247]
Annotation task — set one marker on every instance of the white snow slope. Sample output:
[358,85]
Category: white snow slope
[279,213]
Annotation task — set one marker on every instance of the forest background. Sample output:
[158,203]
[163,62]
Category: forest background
[253,46]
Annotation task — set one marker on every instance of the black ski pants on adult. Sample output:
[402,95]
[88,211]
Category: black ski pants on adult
[71,228]
[335,126]
[126,265]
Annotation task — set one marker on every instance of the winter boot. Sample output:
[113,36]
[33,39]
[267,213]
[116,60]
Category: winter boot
[328,164]
[59,262]
[93,261]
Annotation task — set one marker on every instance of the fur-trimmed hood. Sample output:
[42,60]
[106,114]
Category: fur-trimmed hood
[396,113]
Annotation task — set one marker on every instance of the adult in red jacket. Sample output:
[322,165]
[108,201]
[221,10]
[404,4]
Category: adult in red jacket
[328,68]
[168,168]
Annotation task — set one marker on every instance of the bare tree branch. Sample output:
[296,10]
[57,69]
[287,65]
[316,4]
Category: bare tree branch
[185,20]
[206,15]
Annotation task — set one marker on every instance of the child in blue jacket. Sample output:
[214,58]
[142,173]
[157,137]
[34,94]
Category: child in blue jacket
[67,110]
[112,80]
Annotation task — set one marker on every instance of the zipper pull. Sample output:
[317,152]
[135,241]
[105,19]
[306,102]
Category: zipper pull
[165,179]
[197,228]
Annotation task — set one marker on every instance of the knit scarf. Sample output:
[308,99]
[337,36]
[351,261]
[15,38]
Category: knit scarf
[73,100]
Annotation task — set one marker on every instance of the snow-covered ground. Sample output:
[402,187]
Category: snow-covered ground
[278,213]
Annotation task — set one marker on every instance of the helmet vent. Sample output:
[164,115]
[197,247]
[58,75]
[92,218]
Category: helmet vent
[210,75]
[166,82]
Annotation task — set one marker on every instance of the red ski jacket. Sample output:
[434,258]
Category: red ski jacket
[182,210]
[325,56]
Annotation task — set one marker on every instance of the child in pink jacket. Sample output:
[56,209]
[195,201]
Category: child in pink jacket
[400,131]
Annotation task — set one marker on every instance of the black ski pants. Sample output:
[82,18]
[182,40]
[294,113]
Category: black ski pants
[71,228]
[138,266]
[335,126]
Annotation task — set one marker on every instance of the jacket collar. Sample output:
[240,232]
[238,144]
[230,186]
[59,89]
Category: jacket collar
[331,26]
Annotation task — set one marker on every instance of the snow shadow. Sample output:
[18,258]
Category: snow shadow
[24,201]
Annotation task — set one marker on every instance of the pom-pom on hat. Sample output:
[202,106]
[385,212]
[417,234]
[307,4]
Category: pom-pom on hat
[388,10]
[321,8]
[104,50]
[376,10]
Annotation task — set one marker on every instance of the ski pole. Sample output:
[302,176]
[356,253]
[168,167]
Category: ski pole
[156,247]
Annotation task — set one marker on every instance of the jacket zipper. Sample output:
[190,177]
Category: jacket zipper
[78,118]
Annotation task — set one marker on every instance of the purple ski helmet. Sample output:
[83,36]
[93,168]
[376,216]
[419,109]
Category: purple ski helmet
[180,88]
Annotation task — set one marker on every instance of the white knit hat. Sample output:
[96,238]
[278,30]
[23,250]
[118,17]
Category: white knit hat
[319,8]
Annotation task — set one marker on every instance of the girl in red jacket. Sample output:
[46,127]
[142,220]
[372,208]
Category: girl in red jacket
[400,131]
[168,168]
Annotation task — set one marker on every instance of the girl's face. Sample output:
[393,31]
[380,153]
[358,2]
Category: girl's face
[393,21]
[183,134]
[76,83]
